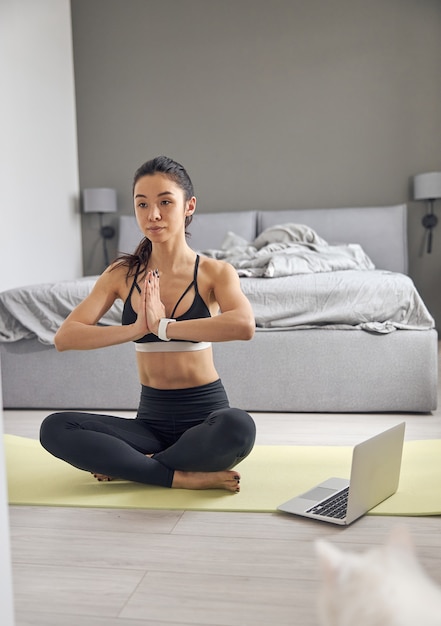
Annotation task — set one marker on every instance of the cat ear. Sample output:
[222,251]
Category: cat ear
[330,558]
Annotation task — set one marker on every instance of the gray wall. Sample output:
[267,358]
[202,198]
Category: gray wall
[269,105]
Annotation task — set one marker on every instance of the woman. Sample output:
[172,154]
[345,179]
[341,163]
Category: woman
[176,303]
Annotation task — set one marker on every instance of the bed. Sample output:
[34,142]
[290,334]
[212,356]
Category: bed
[340,326]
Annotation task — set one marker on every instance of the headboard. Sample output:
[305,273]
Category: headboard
[208,230]
[381,231]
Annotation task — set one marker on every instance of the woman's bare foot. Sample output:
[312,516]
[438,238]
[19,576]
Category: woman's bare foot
[227,479]
[102,477]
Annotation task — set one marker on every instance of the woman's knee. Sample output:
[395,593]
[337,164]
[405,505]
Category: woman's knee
[51,427]
[235,421]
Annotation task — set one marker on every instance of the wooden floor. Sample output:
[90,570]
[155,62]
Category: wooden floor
[112,567]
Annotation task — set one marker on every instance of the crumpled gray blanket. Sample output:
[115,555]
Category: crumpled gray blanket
[289,249]
[39,310]
[375,301]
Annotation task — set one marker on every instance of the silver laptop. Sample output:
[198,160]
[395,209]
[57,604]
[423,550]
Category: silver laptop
[375,474]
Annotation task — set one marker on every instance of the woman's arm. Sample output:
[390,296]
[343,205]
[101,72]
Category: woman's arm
[235,321]
[79,331]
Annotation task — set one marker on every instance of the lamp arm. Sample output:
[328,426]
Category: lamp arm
[429,221]
[106,232]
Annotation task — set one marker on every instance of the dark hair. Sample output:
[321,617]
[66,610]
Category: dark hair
[163,165]
[177,173]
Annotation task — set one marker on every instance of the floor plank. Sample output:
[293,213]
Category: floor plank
[222,600]
[116,520]
[31,618]
[78,590]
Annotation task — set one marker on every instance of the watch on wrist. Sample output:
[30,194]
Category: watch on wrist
[162,328]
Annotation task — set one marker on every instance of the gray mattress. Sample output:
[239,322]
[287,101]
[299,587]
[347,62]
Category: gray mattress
[292,371]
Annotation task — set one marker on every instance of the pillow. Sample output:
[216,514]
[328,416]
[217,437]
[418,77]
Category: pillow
[208,230]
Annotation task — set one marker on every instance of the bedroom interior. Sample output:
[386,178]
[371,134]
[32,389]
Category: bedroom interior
[345,102]
[333,321]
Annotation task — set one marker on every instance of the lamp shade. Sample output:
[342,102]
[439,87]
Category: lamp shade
[99,200]
[427,186]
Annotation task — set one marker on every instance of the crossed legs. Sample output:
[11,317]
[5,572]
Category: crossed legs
[201,458]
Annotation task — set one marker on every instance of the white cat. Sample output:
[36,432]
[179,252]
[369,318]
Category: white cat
[385,586]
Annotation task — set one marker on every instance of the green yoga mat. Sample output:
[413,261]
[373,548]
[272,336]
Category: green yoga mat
[270,476]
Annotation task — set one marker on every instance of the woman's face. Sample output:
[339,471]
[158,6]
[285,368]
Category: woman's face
[161,208]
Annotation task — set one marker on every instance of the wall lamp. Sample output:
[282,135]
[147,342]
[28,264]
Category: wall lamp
[428,187]
[101,200]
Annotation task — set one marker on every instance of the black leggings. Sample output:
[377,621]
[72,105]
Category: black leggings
[187,429]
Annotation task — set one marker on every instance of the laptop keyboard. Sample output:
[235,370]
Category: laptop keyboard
[334,506]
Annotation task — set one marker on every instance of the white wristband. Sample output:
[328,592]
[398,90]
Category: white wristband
[162,328]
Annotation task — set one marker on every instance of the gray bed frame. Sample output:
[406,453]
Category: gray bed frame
[303,370]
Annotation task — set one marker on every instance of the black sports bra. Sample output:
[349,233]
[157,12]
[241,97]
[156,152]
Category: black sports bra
[197,310]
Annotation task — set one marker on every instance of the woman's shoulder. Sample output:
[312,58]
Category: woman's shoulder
[216,268]
[114,279]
